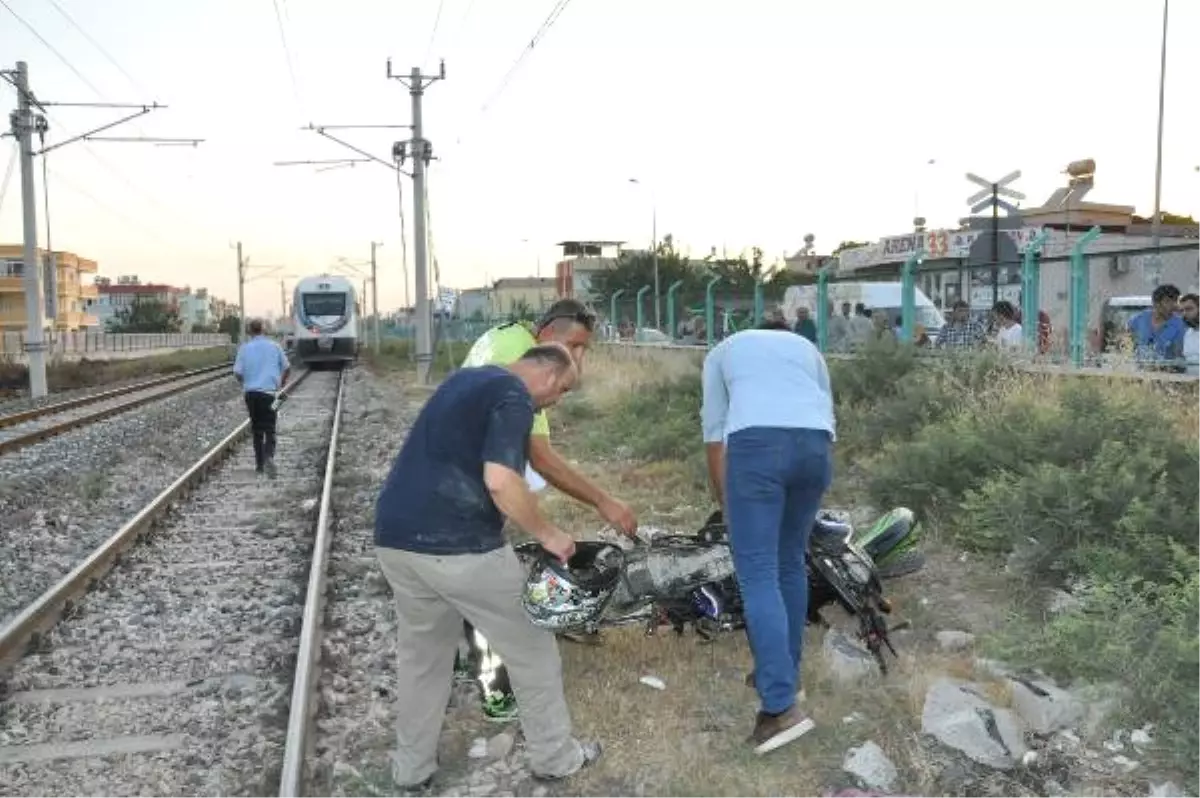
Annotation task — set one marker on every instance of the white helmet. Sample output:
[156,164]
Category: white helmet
[571,597]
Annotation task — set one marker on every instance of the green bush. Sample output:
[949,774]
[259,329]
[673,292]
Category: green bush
[1140,635]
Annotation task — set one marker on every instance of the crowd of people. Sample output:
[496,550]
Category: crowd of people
[855,327]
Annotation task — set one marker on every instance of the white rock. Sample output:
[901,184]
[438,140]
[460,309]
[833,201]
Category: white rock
[1125,763]
[308,505]
[952,640]
[500,746]
[1060,601]
[479,748]
[1140,737]
[1029,758]
[653,681]
[1167,789]
[870,765]
[1044,707]
[960,719]
[846,660]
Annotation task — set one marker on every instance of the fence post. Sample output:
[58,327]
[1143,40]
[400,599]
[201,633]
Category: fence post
[612,315]
[908,293]
[641,292]
[823,308]
[758,301]
[1031,288]
[1079,296]
[710,310]
[671,289]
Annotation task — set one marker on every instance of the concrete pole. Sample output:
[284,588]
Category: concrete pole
[241,275]
[35,306]
[424,342]
[375,297]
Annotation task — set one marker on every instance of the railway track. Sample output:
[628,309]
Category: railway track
[27,427]
[184,665]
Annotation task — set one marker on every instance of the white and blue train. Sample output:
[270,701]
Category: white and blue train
[325,319]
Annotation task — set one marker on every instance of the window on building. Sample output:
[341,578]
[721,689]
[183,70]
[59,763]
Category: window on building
[12,268]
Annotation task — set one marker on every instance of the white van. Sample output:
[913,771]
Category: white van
[883,297]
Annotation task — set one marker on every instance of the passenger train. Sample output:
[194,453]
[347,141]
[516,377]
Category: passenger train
[325,320]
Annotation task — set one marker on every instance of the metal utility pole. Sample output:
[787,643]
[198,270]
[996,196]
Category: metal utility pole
[375,296]
[421,152]
[24,124]
[1156,223]
[653,251]
[283,314]
[241,275]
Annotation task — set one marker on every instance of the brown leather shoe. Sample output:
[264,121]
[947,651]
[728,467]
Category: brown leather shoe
[774,732]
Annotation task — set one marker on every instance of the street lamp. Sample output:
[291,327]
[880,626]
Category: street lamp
[653,250]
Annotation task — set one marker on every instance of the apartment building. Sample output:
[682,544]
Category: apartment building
[111,298]
[66,292]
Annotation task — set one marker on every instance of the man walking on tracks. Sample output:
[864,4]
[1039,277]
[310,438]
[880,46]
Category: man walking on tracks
[769,463]
[262,369]
[439,538]
[567,322]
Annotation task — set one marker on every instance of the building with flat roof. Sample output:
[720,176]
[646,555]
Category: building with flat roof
[65,289]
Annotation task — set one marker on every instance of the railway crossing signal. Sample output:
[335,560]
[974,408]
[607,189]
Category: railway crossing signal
[990,197]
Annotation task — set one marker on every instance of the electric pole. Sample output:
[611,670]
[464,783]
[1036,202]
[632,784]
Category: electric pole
[241,275]
[283,314]
[375,296]
[25,123]
[421,152]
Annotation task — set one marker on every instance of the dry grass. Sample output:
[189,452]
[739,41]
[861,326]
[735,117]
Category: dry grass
[690,738]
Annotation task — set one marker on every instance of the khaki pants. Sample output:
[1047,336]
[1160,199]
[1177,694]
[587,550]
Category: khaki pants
[433,595]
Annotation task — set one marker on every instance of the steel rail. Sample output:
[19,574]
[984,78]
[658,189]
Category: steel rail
[22,416]
[38,435]
[308,659]
[40,616]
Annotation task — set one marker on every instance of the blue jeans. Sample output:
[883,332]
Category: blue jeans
[774,480]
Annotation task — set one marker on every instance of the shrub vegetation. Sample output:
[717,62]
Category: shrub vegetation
[1091,481]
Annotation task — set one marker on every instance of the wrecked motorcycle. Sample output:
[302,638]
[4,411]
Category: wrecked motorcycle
[688,580]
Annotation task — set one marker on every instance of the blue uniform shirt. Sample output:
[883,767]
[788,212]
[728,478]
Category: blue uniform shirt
[260,363]
[434,500]
[765,378]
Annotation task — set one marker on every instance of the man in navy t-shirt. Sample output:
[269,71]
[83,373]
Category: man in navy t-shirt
[439,538]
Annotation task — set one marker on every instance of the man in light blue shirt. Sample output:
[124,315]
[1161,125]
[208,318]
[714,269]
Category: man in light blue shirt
[768,432]
[262,369]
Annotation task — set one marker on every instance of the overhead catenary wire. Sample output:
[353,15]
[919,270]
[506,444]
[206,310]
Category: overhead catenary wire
[66,62]
[437,19]
[287,54]
[559,7]
[133,82]
[155,201]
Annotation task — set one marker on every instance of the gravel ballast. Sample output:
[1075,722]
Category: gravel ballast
[356,719]
[173,676]
[63,496]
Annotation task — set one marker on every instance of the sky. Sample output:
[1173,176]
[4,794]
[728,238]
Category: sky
[745,124]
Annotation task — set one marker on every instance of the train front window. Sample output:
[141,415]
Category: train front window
[324,304]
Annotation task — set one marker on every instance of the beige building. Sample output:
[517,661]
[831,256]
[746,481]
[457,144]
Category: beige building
[67,294]
[516,295]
